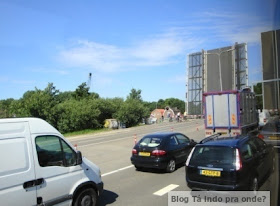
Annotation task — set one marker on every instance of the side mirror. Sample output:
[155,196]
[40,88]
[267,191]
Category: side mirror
[192,142]
[79,158]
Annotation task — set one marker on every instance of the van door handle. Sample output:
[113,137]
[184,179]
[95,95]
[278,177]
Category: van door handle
[29,184]
[39,181]
[33,183]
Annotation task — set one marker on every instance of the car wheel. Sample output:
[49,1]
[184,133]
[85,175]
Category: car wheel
[86,197]
[171,165]
[254,185]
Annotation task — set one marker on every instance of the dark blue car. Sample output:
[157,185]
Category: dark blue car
[161,151]
[229,163]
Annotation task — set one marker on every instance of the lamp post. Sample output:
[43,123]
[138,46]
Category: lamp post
[220,69]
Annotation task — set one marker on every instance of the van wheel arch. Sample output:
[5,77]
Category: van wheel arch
[83,187]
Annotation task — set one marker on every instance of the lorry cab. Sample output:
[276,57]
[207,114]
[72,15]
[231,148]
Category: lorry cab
[40,167]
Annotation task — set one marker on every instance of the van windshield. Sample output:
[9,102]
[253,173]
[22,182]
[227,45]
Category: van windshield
[212,155]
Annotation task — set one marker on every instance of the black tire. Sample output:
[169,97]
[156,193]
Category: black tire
[171,166]
[86,197]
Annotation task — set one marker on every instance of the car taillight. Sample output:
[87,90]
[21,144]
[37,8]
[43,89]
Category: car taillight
[264,120]
[189,157]
[158,152]
[260,136]
[238,162]
[134,151]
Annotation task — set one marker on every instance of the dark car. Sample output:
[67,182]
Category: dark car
[161,151]
[270,133]
[229,163]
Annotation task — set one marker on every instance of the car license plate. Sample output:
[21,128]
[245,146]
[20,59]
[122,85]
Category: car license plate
[274,138]
[145,154]
[210,173]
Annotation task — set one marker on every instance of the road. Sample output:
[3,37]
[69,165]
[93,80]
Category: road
[123,185]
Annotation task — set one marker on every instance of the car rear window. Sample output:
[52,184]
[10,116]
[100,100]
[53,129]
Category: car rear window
[215,155]
[150,141]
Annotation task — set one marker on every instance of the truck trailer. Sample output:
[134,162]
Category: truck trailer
[230,112]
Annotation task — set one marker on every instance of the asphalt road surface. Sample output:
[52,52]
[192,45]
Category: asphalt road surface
[123,184]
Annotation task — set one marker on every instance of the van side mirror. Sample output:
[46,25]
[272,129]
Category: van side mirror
[79,158]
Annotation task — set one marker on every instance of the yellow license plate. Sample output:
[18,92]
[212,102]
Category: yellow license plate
[210,173]
[274,138]
[145,154]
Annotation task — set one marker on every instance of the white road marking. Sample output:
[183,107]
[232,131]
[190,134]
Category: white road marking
[118,170]
[166,190]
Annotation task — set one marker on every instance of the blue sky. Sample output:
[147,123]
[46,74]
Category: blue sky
[124,44]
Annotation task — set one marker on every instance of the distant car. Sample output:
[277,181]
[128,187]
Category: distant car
[263,118]
[270,133]
[161,151]
[229,163]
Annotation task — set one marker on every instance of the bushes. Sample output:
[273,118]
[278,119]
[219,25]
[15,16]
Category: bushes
[78,110]
[77,115]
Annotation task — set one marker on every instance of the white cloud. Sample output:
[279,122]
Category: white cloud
[168,47]
[157,50]
[236,27]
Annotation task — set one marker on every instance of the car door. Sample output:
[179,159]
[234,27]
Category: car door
[174,148]
[184,143]
[259,159]
[264,156]
[249,162]
[56,165]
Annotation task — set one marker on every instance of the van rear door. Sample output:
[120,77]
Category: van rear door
[17,176]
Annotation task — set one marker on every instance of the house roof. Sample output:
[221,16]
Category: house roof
[159,111]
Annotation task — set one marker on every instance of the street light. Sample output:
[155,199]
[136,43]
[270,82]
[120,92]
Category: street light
[220,69]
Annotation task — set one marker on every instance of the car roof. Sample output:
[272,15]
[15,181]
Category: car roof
[161,134]
[229,141]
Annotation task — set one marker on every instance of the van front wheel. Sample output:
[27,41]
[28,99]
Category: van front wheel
[86,197]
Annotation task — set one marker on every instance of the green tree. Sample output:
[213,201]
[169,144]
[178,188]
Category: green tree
[161,104]
[135,94]
[174,102]
[108,108]
[82,91]
[64,96]
[37,103]
[132,112]
[75,115]
[151,106]
[5,108]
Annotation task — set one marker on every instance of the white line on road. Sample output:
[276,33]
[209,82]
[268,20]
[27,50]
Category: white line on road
[118,170]
[166,190]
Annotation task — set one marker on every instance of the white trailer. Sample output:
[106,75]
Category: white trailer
[230,112]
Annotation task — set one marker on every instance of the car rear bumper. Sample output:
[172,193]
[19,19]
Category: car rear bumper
[157,163]
[215,187]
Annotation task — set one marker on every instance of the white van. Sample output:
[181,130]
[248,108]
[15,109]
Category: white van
[39,167]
